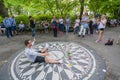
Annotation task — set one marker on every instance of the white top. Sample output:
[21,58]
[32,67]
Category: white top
[85,18]
[102,24]
[61,21]
[94,20]
[31,54]
[21,25]
[77,22]
[67,20]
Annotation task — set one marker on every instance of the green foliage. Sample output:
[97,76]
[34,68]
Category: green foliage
[1,19]
[43,17]
[23,18]
[109,7]
[36,7]
[43,8]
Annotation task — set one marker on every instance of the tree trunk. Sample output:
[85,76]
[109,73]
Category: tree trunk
[81,8]
[3,10]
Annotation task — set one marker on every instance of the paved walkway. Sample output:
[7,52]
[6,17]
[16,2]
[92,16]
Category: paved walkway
[111,54]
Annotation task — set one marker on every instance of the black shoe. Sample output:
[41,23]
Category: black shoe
[78,35]
[83,36]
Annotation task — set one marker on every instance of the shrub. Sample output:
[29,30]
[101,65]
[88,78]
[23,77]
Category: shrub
[23,18]
[43,17]
[1,19]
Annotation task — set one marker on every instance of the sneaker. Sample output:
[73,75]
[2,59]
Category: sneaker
[96,31]
[46,45]
[83,36]
[79,35]
[97,41]
[60,61]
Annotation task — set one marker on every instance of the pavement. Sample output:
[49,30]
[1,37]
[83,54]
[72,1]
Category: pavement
[110,54]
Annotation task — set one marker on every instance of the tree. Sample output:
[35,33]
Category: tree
[3,9]
[108,7]
[81,7]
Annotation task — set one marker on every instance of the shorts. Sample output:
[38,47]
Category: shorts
[102,29]
[39,59]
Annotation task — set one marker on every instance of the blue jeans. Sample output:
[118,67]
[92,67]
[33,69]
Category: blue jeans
[21,29]
[76,30]
[33,32]
[8,32]
[67,28]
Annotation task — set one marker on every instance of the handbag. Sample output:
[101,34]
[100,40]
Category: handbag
[53,26]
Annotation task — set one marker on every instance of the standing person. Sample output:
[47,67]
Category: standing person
[32,25]
[61,25]
[13,25]
[7,25]
[46,26]
[84,25]
[54,26]
[67,23]
[101,28]
[38,56]
[91,27]
[76,26]
[42,26]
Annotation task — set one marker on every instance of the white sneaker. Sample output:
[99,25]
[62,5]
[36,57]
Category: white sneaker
[60,61]
[46,45]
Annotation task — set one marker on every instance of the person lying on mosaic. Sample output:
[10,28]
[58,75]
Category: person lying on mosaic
[38,56]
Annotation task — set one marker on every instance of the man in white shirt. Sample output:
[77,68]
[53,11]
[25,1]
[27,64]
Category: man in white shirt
[84,25]
[37,56]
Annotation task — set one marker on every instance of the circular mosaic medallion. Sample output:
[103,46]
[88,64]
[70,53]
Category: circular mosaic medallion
[78,63]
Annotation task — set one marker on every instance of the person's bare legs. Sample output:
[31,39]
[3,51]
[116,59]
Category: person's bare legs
[44,50]
[16,32]
[99,36]
[47,60]
[118,40]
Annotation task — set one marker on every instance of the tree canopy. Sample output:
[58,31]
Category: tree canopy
[60,7]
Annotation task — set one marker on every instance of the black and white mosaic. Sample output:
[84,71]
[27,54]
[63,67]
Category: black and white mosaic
[78,63]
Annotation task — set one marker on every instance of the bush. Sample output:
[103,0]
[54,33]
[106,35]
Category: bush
[1,19]
[39,18]
[23,18]
[43,17]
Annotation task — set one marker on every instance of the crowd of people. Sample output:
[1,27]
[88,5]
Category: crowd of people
[9,27]
[81,27]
